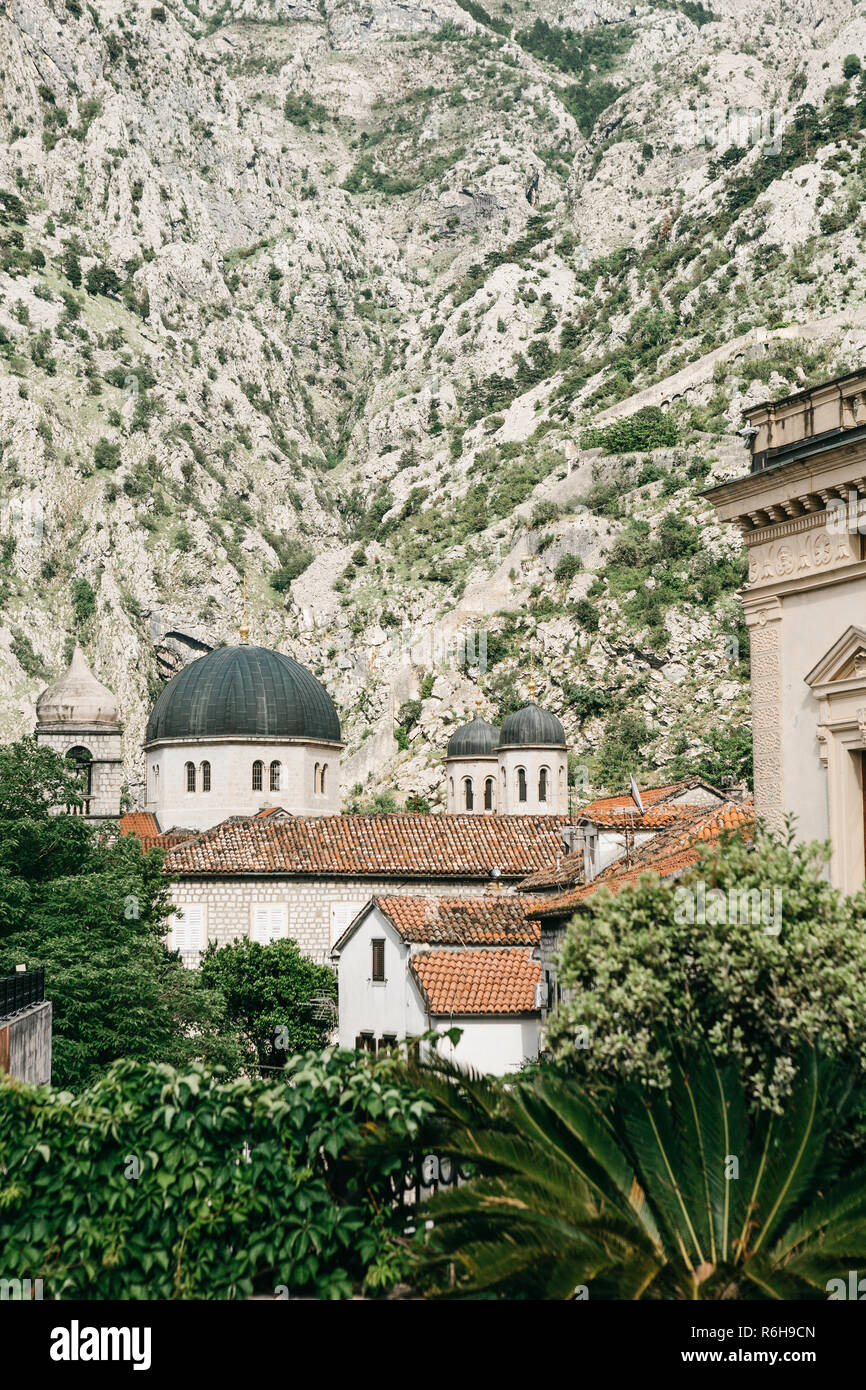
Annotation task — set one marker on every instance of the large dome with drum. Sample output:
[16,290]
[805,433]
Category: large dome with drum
[245,691]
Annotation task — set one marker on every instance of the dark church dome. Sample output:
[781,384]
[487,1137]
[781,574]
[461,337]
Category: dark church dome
[244,691]
[531,727]
[477,739]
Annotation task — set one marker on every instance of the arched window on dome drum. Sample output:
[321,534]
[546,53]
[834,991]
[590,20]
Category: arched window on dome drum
[451,789]
[316,779]
[276,768]
[521,784]
[488,794]
[189,769]
[205,777]
[258,776]
[543,778]
[82,762]
[322,780]
[468,798]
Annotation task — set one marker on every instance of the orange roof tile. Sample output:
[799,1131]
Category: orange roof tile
[668,853]
[408,845]
[139,823]
[492,920]
[651,818]
[456,983]
[567,871]
[650,796]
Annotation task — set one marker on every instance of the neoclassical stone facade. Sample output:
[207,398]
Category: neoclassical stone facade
[802,515]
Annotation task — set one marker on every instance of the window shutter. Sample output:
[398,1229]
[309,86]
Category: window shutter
[188,930]
[378,960]
[270,922]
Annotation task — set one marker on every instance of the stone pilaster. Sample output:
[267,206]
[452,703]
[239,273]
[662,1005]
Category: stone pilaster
[764,620]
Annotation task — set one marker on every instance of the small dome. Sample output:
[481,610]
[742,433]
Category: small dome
[477,739]
[77,698]
[531,727]
[247,692]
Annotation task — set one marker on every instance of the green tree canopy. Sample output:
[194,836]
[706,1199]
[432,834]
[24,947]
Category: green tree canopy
[91,908]
[269,993]
[634,968]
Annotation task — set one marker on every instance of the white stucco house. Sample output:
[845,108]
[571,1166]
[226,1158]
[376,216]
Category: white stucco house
[408,966]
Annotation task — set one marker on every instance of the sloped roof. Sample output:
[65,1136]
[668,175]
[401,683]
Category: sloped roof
[139,823]
[481,982]
[650,796]
[406,845]
[668,853]
[493,920]
[567,871]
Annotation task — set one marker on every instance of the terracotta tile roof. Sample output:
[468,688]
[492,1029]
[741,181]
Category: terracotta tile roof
[567,871]
[650,796]
[139,823]
[477,981]
[494,920]
[653,817]
[406,845]
[668,853]
[167,840]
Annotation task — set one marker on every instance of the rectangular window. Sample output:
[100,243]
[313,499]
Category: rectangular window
[378,959]
[270,922]
[388,1041]
[365,1042]
[188,932]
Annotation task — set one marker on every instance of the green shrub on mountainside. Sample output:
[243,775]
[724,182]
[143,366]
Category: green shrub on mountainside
[649,428]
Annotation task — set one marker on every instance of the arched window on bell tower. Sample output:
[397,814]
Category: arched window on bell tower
[468,795]
[82,762]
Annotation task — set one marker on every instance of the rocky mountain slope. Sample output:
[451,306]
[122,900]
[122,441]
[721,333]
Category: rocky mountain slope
[430,319]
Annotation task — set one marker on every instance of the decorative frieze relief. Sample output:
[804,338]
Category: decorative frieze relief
[813,551]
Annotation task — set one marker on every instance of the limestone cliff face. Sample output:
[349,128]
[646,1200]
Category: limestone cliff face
[333,294]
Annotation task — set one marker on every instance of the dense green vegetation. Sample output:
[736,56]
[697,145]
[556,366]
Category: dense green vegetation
[785,967]
[680,1195]
[159,1183]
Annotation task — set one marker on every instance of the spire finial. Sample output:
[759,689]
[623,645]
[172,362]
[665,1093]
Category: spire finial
[244,629]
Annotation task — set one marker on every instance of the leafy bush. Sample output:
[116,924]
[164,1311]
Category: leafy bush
[649,428]
[587,614]
[157,1183]
[567,567]
[83,601]
[295,557]
[106,453]
[644,972]
[302,110]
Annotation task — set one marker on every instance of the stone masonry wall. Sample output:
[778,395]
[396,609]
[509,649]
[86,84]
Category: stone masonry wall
[318,910]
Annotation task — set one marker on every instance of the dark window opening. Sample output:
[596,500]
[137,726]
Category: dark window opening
[378,959]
